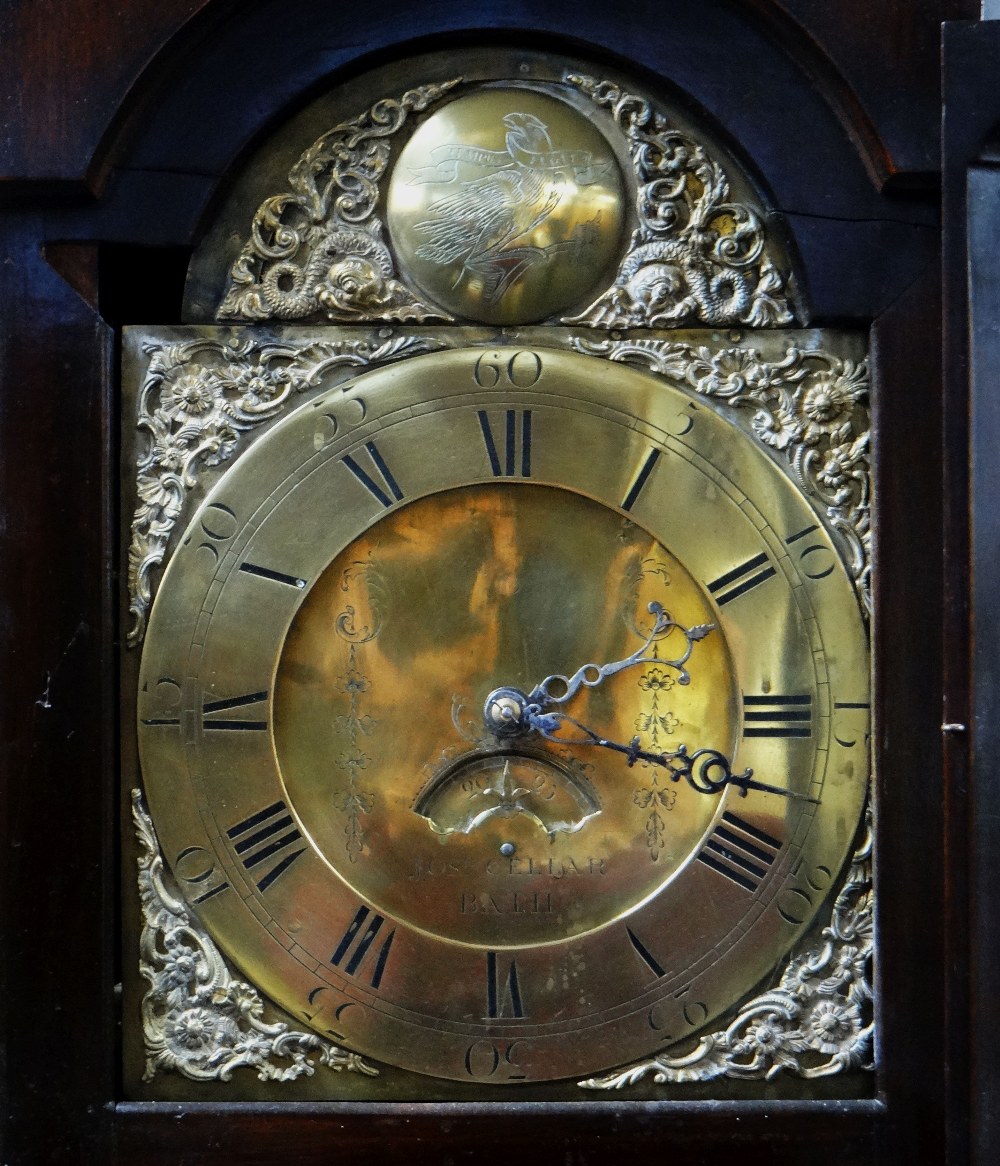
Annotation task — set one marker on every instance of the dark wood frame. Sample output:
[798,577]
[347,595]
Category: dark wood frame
[118,137]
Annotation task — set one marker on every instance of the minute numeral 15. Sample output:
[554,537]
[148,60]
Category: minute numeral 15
[516,439]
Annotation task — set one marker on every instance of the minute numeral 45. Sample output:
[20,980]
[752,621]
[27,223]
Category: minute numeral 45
[777,716]
[356,942]
[510,456]
[742,579]
[739,851]
[377,479]
[265,843]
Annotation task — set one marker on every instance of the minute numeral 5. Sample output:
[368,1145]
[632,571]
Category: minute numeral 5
[516,439]
[261,838]
[739,851]
[777,716]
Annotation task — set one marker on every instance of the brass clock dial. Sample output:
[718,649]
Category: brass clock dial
[469,888]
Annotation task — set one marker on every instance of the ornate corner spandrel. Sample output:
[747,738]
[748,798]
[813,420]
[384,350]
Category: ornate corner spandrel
[818,1020]
[317,251]
[197,399]
[197,1020]
[697,256]
[810,408]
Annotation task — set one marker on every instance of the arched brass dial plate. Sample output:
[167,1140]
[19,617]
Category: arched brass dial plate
[324,784]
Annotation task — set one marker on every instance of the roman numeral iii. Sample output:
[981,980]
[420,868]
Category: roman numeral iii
[777,716]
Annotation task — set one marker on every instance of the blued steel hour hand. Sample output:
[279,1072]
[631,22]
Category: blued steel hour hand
[591,675]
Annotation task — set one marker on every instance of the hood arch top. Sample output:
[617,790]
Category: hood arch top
[473,188]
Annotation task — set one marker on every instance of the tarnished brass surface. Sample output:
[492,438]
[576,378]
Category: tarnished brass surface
[302,760]
[378,714]
[507,206]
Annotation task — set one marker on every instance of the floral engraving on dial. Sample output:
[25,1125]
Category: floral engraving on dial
[816,1023]
[197,1020]
[360,582]
[697,256]
[317,250]
[811,407]
[197,399]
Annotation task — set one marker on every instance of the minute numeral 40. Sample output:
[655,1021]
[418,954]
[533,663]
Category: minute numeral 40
[739,851]
[509,451]
[777,716]
[265,843]
[358,940]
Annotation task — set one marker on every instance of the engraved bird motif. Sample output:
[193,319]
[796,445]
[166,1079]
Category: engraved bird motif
[486,222]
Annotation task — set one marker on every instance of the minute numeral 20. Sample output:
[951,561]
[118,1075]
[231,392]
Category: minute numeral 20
[742,579]
[777,716]
[379,482]
[739,851]
[261,838]
[355,944]
[516,439]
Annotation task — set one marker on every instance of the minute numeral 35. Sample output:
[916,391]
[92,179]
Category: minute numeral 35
[510,456]
[264,843]
[741,579]
[777,716]
[739,851]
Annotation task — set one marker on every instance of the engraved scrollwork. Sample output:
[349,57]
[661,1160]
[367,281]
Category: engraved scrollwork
[317,250]
[697,256]
[196,399]
[809,406]
[817,1022]
[197,1020]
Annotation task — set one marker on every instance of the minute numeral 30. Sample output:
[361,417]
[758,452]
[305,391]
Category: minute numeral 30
[511,455]
[264,843]
[777,716]
[739,851]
